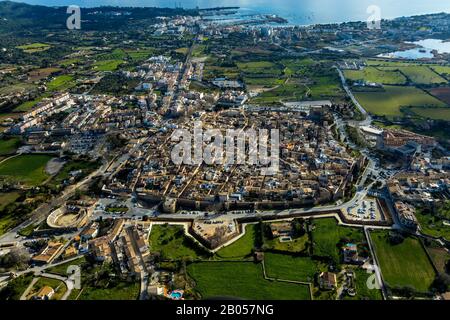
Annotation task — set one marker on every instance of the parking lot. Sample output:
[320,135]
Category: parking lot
[366,209]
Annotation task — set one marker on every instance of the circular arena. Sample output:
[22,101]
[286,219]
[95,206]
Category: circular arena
[65,218]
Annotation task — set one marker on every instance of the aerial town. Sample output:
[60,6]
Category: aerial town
[93,207]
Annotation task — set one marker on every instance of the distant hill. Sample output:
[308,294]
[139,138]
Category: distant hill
[16,16]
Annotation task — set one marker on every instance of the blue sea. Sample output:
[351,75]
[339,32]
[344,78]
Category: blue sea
[296,11]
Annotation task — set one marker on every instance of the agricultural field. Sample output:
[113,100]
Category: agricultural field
[390,101]
[442,94]
[297,67]
[28,105]
[324,87]
[373,74]
[212,70]
[172,243]
[9,146]
[327,234]
[442,70]
[241,280]
[26,169]
[68,62]
[140,54]
[241,248]
[34,47]
[16,88]
[405,264]
[287,267]
[432,113]
[418,73]
[7,198]
[263,82]
[41,73]
[198,51]
[422,75]
[114,291]
[61,83]
[182,50]
[107,65]
[260,68]
[440,258]
[292,90]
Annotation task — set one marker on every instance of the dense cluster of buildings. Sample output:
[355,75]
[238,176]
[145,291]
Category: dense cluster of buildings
[314,168]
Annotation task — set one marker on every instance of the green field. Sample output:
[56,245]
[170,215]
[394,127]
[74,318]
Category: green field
[324,87]
[440,258]
[26,169]
[62,268]
[292,90]
[141,54]
[298,244]
[16,88]
[327,234]
[433,225]
[260,67]
[241,280]
[389,102]
[27,105]
[116,54]
[9,146]
[422,75]
[7,218]
[172,243]
[67,62]
[373,74]
[7,198]
[263,82]
[432,113]
[442,70]
[182,50]
[241,248]
[34,47]
[297,66]
[286,267]
[57,285]
[198,50]
[62,82]
[362,290]
[107,65]
[116,291]
[405,264]
[417,73]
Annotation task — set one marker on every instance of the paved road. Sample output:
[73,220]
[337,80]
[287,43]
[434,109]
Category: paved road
[368,119]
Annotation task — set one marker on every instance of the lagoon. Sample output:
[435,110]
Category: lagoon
[424,51]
